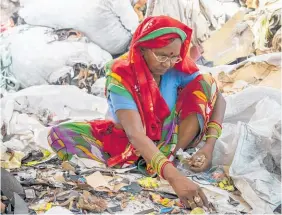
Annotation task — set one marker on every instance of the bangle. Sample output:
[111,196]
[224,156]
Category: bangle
[160,164]
[162,169]
[216,123]
[156,159]
[216,126]
[212,135]
[159,161]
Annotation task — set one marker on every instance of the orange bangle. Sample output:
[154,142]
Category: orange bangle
[162,168]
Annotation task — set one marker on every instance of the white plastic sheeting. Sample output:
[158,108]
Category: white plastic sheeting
[26,113]
[251,139]
[251,146]
[58,210]
[108,23]
[37,58]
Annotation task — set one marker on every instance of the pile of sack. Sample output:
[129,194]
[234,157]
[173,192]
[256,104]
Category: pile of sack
[64,42]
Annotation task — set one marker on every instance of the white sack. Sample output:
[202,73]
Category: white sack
[36,61]
[108,23]
[251,136]
[98,88]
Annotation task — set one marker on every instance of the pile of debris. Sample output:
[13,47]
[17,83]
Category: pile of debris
[249,35]
[54,185]
[239,46]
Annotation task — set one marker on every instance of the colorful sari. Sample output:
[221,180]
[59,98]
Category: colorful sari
[129,76]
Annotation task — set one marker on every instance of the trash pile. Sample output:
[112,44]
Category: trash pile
[52,58]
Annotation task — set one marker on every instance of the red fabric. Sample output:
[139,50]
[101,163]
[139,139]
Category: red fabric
[105,131]
[189,103]
[139,81]
[197,97]
[115,142]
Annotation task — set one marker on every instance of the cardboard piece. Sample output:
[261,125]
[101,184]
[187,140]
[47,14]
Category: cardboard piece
[272,80]
[253,73]
[258,74]
[97,180]
[252,4]
[103,183]
[224,47]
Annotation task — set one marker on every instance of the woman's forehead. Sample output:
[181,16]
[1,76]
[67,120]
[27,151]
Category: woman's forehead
[171,49]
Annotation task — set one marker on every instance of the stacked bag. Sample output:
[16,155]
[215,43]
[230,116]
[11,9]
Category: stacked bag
[67,41]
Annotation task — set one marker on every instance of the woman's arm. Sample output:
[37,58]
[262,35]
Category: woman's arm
[207,149]
[183,187]
[131,122]
[217,116]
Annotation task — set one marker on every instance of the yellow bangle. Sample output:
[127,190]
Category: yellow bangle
[157,162]
[216,127]
[160,164]
[156,159]
[211,135]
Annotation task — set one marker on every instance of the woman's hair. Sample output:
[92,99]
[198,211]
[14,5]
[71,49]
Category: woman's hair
[172,39]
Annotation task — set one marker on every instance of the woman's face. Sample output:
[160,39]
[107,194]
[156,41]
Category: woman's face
[154,56]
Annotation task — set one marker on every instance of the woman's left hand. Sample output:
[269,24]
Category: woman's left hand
[202,160]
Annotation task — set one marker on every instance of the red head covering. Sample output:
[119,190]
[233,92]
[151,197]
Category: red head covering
[154,32]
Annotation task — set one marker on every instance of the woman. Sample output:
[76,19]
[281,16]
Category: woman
[152,119]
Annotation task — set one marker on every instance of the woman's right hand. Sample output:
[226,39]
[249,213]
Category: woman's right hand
[190,194]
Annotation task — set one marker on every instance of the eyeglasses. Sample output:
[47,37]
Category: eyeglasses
[163,59]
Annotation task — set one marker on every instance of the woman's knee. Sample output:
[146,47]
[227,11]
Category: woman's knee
[54,138]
